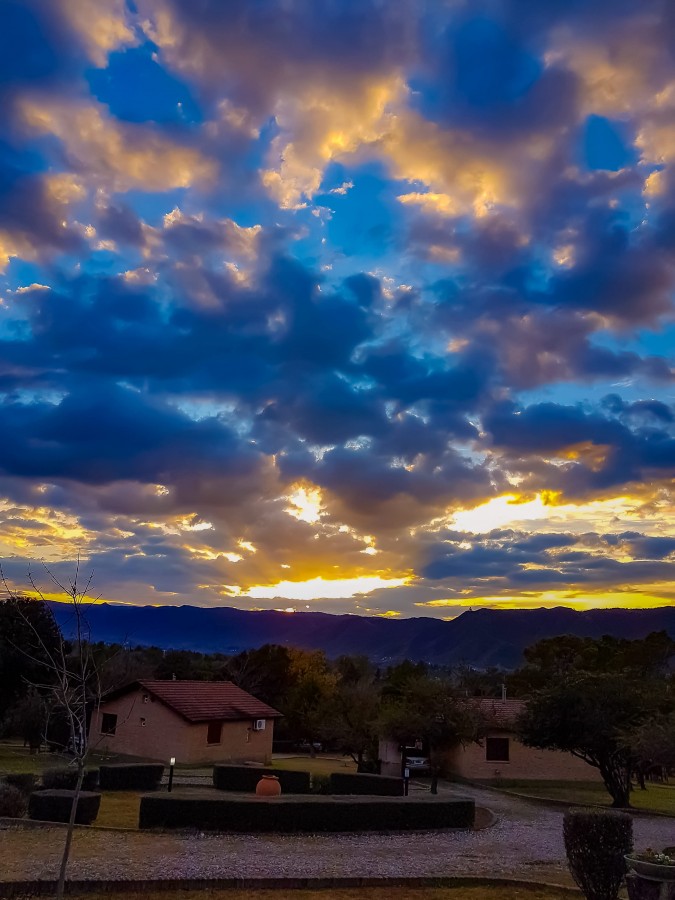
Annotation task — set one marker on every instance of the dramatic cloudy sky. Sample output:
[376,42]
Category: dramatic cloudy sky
[351,305]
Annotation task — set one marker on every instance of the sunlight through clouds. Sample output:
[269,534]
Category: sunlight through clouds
[304,305]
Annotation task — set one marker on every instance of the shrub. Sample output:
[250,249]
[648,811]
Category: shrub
[373,785]
[596,842]
[55,806]
[13,802]
[245,778]
[321,784]
[23,781]
[131,776]
[65,779]
[311,814]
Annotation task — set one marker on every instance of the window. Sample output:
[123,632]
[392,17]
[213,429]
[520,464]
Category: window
[214,732]
[497,749]
[108,723]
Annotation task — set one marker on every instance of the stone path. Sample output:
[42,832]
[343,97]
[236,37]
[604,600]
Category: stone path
[525,843]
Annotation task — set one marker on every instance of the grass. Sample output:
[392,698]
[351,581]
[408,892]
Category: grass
[482,892]
[657,797]
[319,765]
[119,809]
[16,758]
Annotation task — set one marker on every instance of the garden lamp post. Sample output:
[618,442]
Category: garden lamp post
[172,763]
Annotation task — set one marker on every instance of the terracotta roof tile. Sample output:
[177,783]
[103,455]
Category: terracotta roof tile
[200,701]
[501,712]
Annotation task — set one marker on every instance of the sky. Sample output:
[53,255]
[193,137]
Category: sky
[342,305]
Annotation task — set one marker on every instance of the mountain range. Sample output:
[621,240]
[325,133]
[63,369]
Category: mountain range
[481,638]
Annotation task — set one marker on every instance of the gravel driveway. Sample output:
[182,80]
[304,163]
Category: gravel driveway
[526,842]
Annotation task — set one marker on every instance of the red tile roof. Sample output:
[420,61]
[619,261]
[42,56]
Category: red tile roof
[201,701]
[500,712]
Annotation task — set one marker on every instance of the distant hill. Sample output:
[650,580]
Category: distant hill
[482,638]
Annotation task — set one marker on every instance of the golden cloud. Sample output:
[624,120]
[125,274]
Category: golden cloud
[118,154]
[102,26]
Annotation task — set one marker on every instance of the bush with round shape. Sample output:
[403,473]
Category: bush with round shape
[131,777]
[25,782]
[65,779]
[596,842]
[12,802]
[55,806]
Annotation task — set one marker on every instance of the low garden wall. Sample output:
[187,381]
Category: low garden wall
[297,813]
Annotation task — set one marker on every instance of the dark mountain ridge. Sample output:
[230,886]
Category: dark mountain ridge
[479,638]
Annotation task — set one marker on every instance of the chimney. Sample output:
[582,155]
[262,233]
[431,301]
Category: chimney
[503,692]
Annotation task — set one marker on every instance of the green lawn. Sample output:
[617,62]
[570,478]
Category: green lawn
[657,797]
[319,765]
[119,809]
[14,757]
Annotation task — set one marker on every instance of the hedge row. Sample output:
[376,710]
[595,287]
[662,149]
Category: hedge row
[13,802]
[55,806]
[25,782]
[245,778]
[311,814]
[65,779]
[373,785]
[131,777]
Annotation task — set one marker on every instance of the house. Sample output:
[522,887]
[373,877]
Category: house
[500,755]
[193,721]
[503,756]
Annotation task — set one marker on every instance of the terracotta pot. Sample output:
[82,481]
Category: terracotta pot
[268,786]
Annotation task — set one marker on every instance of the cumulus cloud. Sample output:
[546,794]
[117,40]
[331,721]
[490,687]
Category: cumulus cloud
[290,293]
[120,155]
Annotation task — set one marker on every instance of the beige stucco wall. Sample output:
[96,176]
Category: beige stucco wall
[166,734]
[524,762]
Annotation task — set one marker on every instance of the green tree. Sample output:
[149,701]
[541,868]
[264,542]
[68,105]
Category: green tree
[587,714]
[28,719]
[353,717]
[556,658]
[428,709]
[309,701]
[651,745]
[267,672]
[28,635]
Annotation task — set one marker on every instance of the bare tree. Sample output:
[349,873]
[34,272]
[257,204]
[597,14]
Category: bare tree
[71,680]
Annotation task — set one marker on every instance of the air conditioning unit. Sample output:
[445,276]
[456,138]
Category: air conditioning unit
[258,724]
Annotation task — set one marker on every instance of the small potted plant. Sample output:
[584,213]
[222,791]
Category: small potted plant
[653,865]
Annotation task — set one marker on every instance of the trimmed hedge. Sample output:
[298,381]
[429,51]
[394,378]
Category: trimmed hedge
[372,785]
[55,806]
[291,814]
[25,782]
[596,842]
[245,778]
[13,802]
[65,779]
[320,784]
[131,776]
